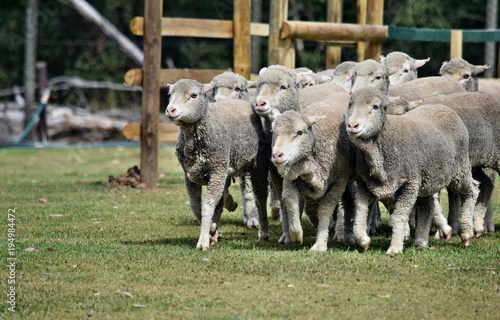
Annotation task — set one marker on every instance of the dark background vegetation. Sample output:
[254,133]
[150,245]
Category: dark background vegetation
[72,47]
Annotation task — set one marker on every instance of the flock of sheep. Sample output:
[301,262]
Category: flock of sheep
[333,144]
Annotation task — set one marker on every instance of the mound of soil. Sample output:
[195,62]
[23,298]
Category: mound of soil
[131,179]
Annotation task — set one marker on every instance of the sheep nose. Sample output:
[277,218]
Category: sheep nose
[278,156]
[353,127]
[171,111]
[261,104]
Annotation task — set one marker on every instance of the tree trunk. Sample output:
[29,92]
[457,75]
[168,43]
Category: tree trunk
[30,63]
[107,28]
[489,47]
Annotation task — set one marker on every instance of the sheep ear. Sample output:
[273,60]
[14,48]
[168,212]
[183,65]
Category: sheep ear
[303,76]
[478,69]
[413,104]
[251,84]
[262,71]
[323,79]
[207,87]
[392,71]
[421,62]
[382,58]
[391,99]
[313,119]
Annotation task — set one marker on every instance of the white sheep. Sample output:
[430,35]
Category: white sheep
[307,78]
[232,86]
[217,142]
[406,66]
[404,160]
[342,75]
[312,152]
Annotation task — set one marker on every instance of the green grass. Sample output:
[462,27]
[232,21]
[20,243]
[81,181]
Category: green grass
[130,254]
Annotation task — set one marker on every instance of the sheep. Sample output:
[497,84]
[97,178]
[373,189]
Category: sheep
[307,78]
[406,65]
[312,153]
[342,75]
[467,75]
[276,92]
[232,86]
[404,160]
[374,74]
[481,114]
[217,142]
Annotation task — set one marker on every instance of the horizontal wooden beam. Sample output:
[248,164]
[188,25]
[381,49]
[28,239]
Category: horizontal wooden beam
[167,132]
[325,31]
[133,77]
[203,28]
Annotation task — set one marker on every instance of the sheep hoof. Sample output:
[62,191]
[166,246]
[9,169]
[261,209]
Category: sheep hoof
[365,247]
[393,250]
[275,213]
[349,239]
[296,237]
[252,223]
[479,233]
[263,237]
[465,243]
[284,239]
[318,248]
[202,247]
[420,243]
[338,238]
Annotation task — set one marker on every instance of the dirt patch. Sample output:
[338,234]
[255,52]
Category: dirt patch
[131,179]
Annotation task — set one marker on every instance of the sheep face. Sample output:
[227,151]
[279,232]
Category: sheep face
[187,102]
[366,113]
[370,73]
[275,87]
[293,138]
[405,67]
[464,72]
[342,75]
[230,86]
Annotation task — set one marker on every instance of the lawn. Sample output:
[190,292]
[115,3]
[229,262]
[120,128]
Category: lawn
[87,252]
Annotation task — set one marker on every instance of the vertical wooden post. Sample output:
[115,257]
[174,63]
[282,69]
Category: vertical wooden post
[151,93]
[241,37]
[31,34]
[281,51]
[456,44]
[375,16]
[361,6]
[333,14]
[41,68]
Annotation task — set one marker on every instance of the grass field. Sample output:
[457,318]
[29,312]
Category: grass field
[87,252]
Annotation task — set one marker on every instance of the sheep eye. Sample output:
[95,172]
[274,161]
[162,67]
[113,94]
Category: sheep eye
[194,96]
[466,76]
[299,133]
[378,77]
[406,71]
[283,88]
[237,89]
[375,107]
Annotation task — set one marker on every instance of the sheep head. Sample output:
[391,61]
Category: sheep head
[188,102]
[293,138]
[370,73]
[230,86]
[342,75]
[366,113]
[464,72]
[276,89]
[406,66]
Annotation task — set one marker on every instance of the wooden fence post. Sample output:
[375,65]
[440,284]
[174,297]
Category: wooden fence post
[280,51]
[375,16]
[241,36]
[333,14]
[151,93]
[41,67]
[456,44]
[361,6]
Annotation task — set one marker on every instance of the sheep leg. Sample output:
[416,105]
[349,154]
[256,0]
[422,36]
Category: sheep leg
[250,212]
[375,218]
[488,219]
[213,195]
[406,196]
[453,211]
[229,202]
[339,224]
[363,200]
[291,198]
[348,204]
[425,211]
[274,201]
[444,230]
[483,201]
[468,198]
[258,175]
[277,182]
[194,193]
[214,227]
[325,216]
